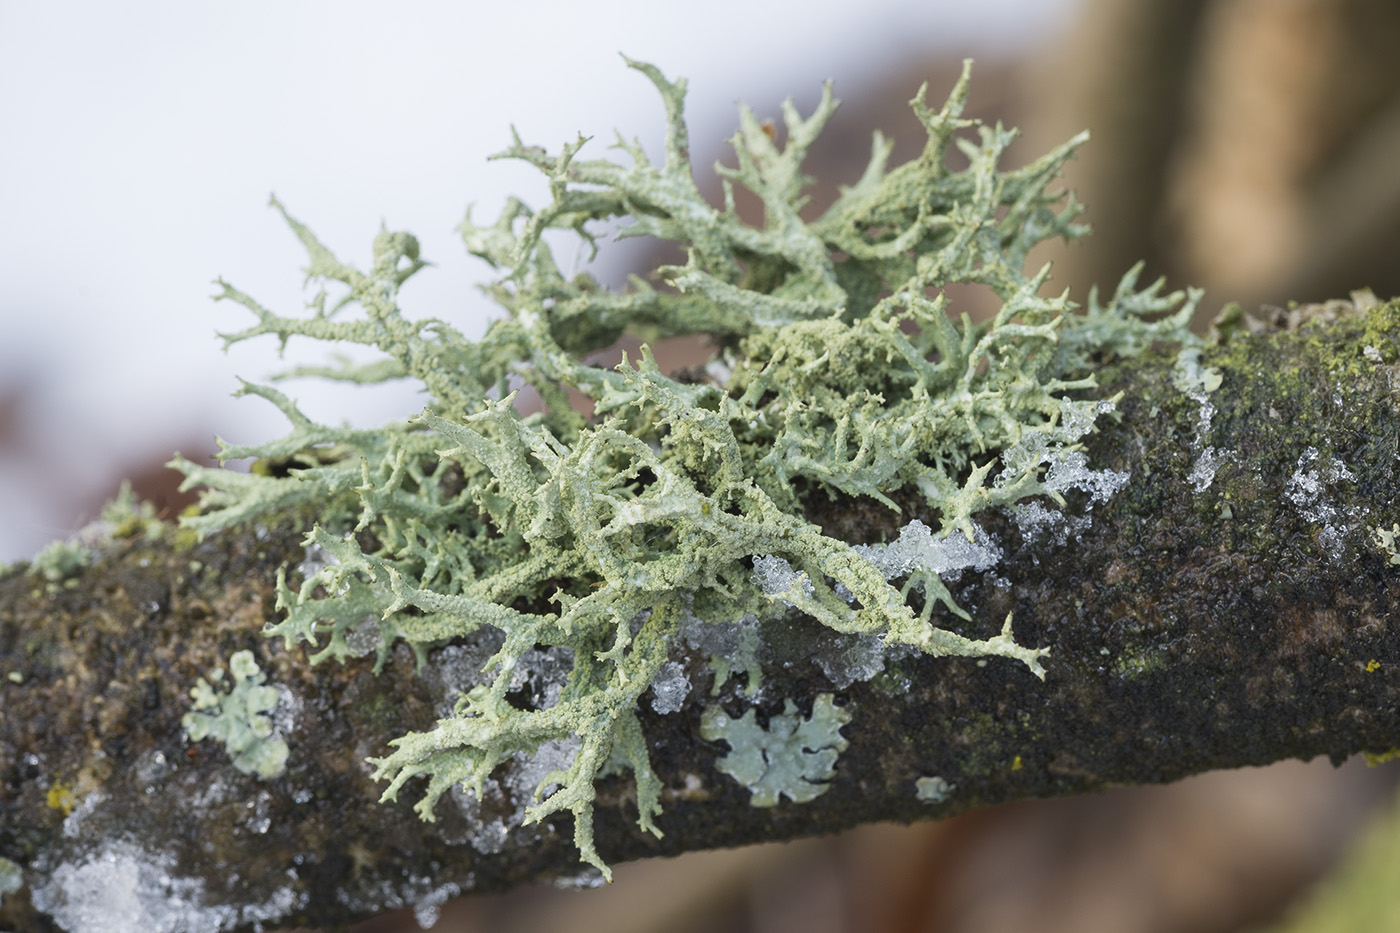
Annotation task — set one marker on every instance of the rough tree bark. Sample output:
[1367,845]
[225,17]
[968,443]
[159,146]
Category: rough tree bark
[1193,626]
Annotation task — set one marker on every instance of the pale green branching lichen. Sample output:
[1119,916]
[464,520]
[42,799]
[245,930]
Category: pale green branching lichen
[239,717]
[127,516]
[124,517]
[60,560]
[793,757]
[838,373]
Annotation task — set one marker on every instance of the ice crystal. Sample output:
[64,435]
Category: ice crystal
[1203,470]
[428,907]
[670,688]
[851,658]
[1198,382]
[732,647]
[1307,489]
[1035,522]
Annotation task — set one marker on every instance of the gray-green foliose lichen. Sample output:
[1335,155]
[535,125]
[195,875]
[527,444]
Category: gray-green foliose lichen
[677,501]
[239,717]
[793,757]
[1385,540]
[11,878]
[932,789]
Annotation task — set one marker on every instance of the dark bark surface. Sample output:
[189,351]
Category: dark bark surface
[1192,627]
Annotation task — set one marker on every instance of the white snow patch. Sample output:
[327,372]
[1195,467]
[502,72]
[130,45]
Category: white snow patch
[152,768]
[1077,420]
[1305,486]
[530,770]
[487,838]
[721,639]
[1066,469]
[286,715]
[205,795]
[731,647]
[315,560]
[73,822]
[521,777]
[720,370]
[455,669]
[417,892]
[121,888]
[282,902]
[545,673]
[259,821]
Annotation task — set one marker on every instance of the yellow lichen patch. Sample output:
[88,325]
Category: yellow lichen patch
[1380,758]
[1372,666]
[61,798]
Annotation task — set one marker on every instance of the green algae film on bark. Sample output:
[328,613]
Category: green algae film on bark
[1192,627]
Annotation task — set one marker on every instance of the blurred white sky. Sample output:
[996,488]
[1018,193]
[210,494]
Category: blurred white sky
[141,141]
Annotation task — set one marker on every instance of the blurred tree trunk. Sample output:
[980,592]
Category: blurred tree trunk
[1247,146]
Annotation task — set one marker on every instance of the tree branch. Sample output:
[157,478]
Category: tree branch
[1231,606]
